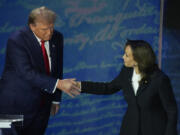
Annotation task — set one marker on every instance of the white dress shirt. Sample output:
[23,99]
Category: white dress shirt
[135,81]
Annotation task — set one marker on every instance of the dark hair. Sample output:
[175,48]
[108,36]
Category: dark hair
[144,55]
[43,14]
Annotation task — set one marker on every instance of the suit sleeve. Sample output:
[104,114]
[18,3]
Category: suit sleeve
[103,87]
[21,65]
[169,103]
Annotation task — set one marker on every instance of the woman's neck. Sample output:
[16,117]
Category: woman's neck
[136,70]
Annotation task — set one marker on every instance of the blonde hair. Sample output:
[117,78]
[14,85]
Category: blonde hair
[41,14]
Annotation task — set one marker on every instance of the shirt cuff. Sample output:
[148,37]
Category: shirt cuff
[55,86]
[55,102]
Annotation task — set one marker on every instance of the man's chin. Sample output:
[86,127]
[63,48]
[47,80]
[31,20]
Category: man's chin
[47,39]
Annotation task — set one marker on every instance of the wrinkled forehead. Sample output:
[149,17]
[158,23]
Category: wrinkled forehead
[42,20]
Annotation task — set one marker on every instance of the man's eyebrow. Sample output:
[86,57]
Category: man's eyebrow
[44,28]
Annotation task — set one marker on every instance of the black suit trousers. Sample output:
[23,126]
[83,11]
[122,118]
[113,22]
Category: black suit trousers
[37,125]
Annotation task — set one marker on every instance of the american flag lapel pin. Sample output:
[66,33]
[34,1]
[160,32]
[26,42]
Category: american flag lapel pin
[53,46]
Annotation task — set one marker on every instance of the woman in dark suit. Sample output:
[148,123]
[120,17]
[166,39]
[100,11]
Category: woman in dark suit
[152,108]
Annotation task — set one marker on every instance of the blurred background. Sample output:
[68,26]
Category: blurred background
[95,32]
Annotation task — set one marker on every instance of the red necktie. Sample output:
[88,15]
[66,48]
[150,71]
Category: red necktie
[46,60]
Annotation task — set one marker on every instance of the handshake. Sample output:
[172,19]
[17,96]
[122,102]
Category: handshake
[69,86]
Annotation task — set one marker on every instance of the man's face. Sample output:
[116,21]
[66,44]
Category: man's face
[43,30]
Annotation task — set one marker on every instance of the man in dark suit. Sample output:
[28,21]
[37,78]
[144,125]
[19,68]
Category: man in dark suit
[31,82]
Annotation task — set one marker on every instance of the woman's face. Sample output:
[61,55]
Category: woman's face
[128,57]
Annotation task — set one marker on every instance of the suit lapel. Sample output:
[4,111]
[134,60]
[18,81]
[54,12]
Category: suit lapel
[53,55]
[36,50]
[142,87]
[130,87]
[147,82]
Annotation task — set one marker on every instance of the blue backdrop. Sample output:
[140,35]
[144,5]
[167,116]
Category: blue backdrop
[95,32]
[171,46]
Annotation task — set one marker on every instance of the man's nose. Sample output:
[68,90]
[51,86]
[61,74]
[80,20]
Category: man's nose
[49,31]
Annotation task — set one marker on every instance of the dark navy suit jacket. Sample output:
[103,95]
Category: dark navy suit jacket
[153,111]
[24,82]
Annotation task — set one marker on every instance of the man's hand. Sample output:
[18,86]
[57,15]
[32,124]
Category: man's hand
[69,86]
[54,109]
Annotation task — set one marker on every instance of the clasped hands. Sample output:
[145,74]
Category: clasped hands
[69,86]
